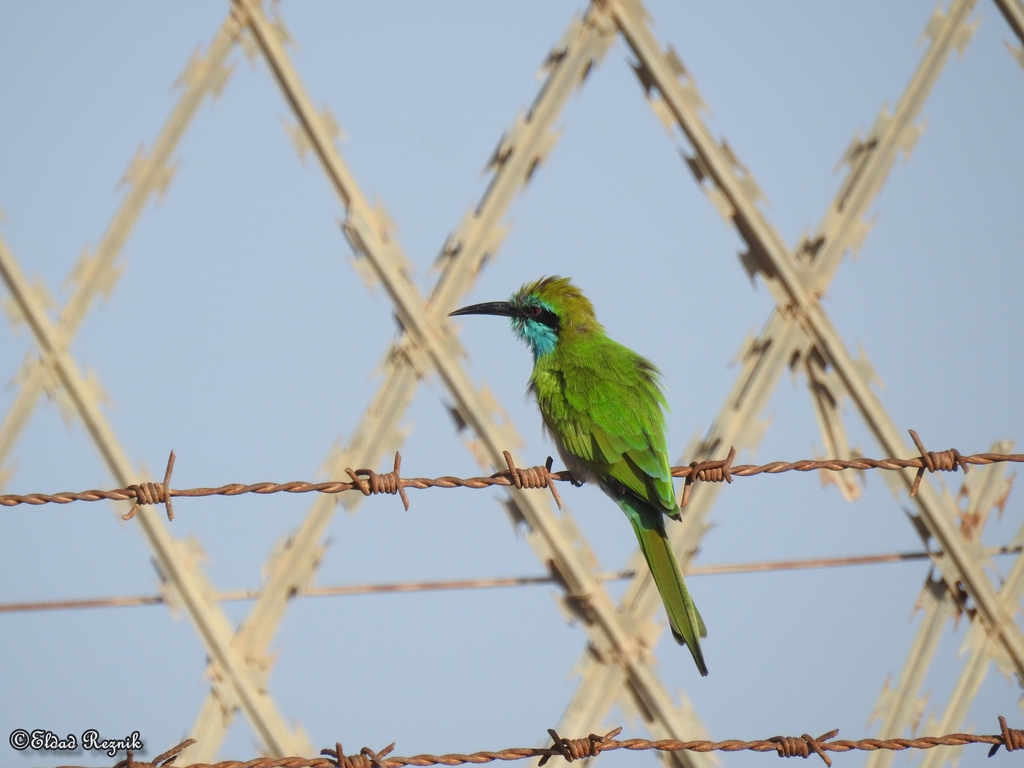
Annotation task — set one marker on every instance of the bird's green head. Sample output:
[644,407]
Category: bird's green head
[544,313]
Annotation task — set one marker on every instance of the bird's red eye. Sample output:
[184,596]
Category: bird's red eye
[535,311]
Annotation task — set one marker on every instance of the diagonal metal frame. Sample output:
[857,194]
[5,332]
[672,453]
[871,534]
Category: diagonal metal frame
[1013,12]
[292,567]
[981,650]
[368,230]
[95,274]
[184,584]
[480,229]
[783,341]
[427,345]
[900,709]
[765,358]
[795,287]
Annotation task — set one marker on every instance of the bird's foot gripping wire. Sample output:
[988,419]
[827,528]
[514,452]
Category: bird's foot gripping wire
[572,478]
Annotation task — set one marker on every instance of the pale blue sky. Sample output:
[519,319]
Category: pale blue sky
[240,337]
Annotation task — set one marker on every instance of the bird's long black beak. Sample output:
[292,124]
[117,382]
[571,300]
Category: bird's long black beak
[502,308]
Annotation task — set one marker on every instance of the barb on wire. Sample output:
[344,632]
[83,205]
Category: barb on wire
[945,461]
[154,493]
[365,759]
[387,483]
[578,749]
[534,477]
[160,761]
[708,471]
[368,482]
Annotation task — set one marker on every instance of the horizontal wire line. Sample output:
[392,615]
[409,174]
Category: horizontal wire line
[510,581]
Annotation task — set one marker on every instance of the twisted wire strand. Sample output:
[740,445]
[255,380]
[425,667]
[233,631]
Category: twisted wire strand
[576,749]
[369,482]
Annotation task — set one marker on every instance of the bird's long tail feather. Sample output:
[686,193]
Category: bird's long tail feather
[683,617]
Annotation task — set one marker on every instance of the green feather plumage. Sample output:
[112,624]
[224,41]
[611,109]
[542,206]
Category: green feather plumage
[602,404]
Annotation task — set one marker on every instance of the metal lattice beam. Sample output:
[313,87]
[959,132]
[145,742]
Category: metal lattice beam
[54,371]
[185,583]
[95,274]
[900,709]
[982,651]
[365,228]
[792,286]
[765,358]
[291,567]
[556,540]
[1013,12]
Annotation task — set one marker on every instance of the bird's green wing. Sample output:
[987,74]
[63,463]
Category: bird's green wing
[604,403]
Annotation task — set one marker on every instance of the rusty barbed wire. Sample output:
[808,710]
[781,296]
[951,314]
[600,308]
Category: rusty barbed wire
[369,482]
[577,749]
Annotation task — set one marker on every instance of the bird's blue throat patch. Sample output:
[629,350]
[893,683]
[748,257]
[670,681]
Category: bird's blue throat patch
[541,334]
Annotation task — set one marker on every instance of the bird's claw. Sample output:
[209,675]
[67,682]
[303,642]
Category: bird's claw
[572,478]
[575,483]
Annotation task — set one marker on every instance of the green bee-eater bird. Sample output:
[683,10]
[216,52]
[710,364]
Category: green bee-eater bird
[602,405]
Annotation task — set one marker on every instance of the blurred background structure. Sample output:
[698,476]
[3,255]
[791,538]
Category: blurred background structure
[223,324]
